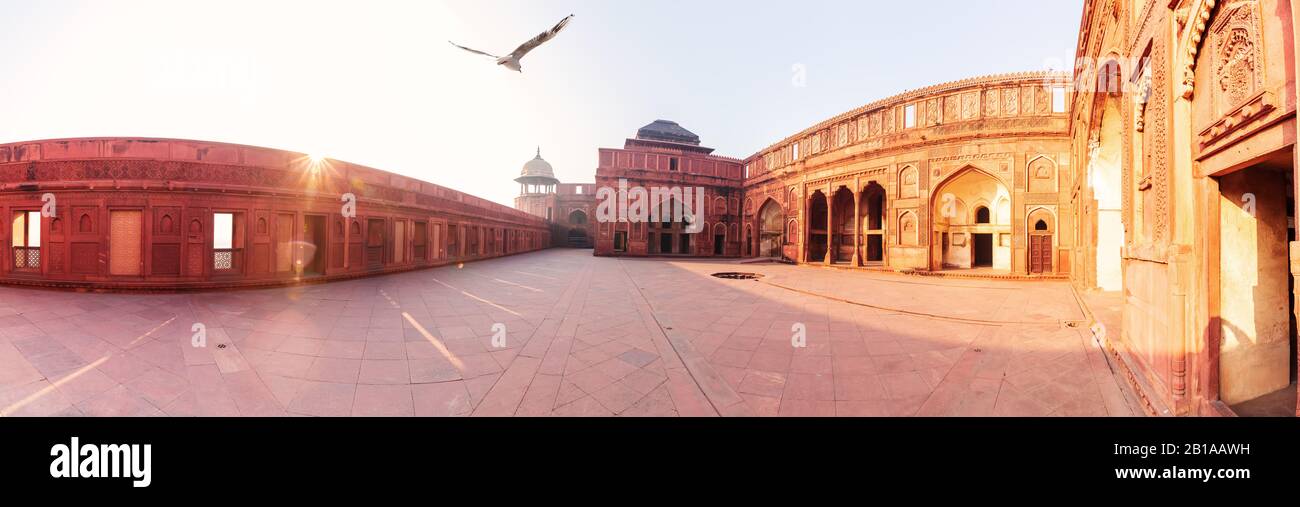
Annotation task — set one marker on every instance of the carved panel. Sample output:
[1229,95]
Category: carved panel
[259,261]
[194,261]
[1236,56]
[124,243]
[991,103]
[1011,101]
[284,242]
[908,183]
[970,103]
[167,221]
[85,258]
[1157,126]
[166,259]
[1041,175]
[57,257]
[952,108]
[908,229]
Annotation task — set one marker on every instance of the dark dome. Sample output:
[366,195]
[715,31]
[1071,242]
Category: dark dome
[669,131]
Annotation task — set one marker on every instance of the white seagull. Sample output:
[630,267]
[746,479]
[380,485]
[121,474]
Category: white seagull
[511,61]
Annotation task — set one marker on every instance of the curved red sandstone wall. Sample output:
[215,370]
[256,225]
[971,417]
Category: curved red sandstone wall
[139,213]
[910,145]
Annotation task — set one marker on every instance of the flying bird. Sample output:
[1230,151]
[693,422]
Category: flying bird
[511,61]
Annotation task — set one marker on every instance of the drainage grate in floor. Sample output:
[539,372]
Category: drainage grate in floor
[738,276]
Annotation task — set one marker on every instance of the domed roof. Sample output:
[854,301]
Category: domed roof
[670,131]
[537,168]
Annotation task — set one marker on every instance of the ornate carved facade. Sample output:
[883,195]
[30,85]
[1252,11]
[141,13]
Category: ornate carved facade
[1200,144]
[948,183]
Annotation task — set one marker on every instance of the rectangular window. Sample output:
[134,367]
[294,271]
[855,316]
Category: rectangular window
[620,241]
[223,230]
[909,116]
[579,189]
[672,164]
[1058,99]
[227,241]
[27,240]
[746,170]
[794,153]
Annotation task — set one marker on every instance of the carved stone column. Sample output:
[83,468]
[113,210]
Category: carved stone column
[857,225]
[830,215]
[805,226]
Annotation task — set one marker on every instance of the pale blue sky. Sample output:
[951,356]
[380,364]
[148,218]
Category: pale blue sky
[377,84]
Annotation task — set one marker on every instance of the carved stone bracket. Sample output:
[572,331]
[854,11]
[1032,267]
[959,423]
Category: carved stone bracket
[1143,97]
[1198,23]
[1255,108]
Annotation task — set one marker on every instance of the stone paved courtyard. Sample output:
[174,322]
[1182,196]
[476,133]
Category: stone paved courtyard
[583,336]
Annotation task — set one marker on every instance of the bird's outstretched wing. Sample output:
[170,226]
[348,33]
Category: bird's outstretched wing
[524,48]
[473,50]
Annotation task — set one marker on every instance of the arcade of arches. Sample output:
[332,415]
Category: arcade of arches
[941,179]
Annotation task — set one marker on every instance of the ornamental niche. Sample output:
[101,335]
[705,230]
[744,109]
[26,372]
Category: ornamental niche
[1236,51]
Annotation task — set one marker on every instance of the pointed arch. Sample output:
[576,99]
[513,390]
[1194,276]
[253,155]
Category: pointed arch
[1041,174]
[817,230]
[1040,236]
[908,182]
[908,228]
[166,224]
[966,221]
[1103,180]
[771,229]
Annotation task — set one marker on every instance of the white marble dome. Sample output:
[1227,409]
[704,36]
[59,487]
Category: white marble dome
[537,168]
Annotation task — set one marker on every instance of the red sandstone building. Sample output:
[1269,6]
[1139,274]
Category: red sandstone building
[968,176]
[566,207]
[665,155]
[169,214]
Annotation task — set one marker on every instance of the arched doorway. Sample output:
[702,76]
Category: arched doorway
[843,244]
[577,235]
[816,227]
[873,223]
[1105,180]
[578,217]
[719,239]
[1042,235]
[668,230]
[771,226]
[971,222]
